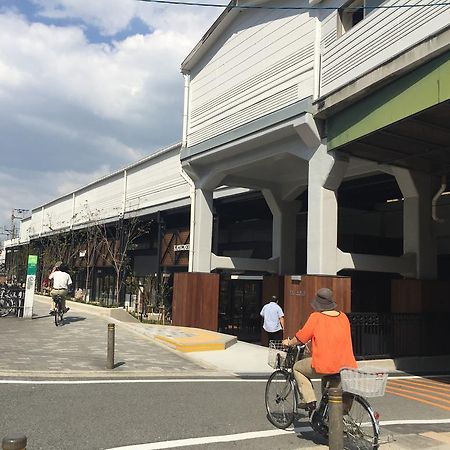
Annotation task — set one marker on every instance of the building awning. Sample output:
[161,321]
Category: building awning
[405,123]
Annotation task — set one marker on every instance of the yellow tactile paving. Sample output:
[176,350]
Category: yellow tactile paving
[434,392]
[200,340]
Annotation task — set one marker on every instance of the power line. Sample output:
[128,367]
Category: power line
[233,5]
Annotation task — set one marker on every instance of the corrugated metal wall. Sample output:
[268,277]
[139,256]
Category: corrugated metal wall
[262,63]
[383,34]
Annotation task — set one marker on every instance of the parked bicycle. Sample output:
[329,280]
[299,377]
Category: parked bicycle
[283,398]
[9,301]
[59,310]
[6,306]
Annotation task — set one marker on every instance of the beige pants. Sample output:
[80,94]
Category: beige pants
[303,372]
[62,293]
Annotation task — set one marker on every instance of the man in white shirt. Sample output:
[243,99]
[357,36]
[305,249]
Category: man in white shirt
[273,321]
[61,282]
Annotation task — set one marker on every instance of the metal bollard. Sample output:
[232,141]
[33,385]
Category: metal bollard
[335,421]
[110,347]
[14,443]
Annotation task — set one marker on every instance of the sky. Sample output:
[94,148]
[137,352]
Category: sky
[87,87]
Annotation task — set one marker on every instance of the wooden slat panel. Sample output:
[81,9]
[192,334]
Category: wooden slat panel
[416,296]
[196,300]
[170,257]
[273,285]
[298,296]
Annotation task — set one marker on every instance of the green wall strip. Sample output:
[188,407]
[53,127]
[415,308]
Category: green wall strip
[426,86]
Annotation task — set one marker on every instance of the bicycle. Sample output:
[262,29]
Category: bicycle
[282,400]
[6,306]
[59,310]
[8,303]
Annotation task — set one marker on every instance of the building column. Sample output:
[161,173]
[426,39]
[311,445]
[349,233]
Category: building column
[201,230]
[284,227]
[325,173]
[418,231]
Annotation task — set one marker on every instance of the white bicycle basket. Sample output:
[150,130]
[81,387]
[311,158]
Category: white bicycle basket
[367,382]
[277,352]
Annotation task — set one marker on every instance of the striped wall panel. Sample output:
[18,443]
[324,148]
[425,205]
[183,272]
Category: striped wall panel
[382,35]
[262,63]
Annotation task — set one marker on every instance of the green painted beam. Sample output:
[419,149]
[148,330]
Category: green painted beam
[423,88]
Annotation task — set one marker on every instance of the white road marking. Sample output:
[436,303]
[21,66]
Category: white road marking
[209,439]
[175,380]
[184,380]
[253,435]
[413,422]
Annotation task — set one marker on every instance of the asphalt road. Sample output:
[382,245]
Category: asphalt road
[111,414]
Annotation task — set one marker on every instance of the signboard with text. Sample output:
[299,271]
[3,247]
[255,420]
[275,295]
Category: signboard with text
[29,287]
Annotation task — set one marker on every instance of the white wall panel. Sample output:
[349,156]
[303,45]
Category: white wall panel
[382,35]
[100,200]
[156,182]
[35,222]
[24,234]
[153,182]
[57,215]
[262,63]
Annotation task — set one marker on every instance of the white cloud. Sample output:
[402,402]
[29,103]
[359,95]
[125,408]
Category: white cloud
[72,110]
[110,16]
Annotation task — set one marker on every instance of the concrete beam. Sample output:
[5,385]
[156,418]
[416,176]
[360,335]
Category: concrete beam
[235,263]
[404,265]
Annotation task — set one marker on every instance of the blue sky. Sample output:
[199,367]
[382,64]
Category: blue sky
[87,87]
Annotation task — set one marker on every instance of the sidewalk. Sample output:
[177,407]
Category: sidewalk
[224,353]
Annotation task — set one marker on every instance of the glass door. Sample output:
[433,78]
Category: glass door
[239,307]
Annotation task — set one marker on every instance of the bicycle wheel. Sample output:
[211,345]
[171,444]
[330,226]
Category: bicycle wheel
[280,399]
[361,428]
[58,314]
[6,306]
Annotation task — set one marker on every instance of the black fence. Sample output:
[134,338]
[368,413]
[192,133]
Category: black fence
[389,335]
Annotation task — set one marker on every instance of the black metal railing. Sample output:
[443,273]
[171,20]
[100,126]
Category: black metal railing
[388,335]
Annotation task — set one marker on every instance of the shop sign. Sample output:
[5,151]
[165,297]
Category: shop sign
[181,248]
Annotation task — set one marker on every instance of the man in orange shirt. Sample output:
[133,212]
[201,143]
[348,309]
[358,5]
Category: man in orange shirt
[329,332]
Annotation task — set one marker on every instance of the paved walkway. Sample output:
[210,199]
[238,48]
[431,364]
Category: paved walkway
[78,348]
[29,348]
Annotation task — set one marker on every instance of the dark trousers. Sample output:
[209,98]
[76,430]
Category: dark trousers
[266,337]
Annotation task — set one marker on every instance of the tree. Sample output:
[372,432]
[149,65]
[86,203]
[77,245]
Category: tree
[116,242]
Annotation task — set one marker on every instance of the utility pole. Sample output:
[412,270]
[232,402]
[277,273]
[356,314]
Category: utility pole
[20,215]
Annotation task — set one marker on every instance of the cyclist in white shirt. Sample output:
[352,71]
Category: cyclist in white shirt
[273,321]
[61,282]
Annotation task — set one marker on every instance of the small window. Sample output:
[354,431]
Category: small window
[353,12]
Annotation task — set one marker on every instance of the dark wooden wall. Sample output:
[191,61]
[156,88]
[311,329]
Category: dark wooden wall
[196,300]
[170,257]
[299,293]
[273,285]
[417,296]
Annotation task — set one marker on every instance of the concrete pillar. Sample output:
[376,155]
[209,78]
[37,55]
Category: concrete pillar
[418,230]
[201,234]
[325,174]
[284,228]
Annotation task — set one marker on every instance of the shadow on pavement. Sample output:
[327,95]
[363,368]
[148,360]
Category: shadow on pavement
[47,316]
[72,319]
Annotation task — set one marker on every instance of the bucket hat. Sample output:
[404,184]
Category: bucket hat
[323,301]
